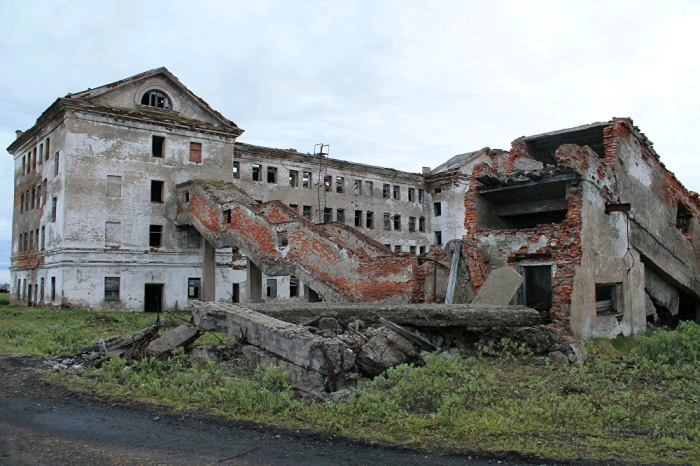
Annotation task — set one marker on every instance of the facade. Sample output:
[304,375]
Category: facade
[605,237]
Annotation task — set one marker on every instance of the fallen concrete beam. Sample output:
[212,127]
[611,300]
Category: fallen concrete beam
[499,288]
[418,315]
[289,341]
[180,336]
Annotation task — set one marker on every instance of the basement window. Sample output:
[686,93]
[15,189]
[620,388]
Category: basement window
[282,240]
[358,187]
[111,288]
[256,172]
[339,184]
[271,288]
[306,211]
[293,286]
[369,220]
[156,191]
[306,180]
[156,98]
[194,287]
[397,222]
[437,208]
[236,170]
[683,217]
[155,236]
[327,215]
[606,298]
[293,178]
[272,174]
[340,215]
[358,218]
[387,221]
[386,191]
[157,143]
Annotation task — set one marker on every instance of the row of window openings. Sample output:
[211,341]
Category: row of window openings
[113,285]
[412,249]
[32,240]
[155,235]
[331,183]
[158,149]
[35,156]
[114,188]
[33,198]
[25,292]
[271,287]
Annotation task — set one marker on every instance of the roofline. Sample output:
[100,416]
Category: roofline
[597,124]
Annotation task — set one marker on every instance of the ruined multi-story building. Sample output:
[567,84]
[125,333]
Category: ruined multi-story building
[136,195]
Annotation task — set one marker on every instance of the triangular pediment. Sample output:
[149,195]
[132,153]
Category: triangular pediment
[165,94]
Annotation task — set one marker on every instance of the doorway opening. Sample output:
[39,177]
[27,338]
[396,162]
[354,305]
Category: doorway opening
[153,297]
[536,290]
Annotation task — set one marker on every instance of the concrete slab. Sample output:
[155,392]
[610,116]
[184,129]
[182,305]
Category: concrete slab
[499,288]
[180,336]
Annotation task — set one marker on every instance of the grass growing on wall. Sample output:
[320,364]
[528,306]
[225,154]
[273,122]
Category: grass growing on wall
[636,400]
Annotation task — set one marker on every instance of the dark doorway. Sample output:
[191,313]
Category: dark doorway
[153,298]
[313,296]
[236,293]
[536,291]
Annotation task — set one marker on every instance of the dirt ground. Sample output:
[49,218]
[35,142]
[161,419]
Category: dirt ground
[43,425]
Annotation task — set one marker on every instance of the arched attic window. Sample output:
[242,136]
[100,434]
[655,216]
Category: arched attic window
[156,98]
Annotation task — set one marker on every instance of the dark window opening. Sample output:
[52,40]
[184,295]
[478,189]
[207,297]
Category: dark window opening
[606,298]
[314,297]
[282,239]
[235,293]
[528,205]
[155,98]
[327,180]
[411,223]
[271,288]
[256,172]
[536,290]
[293,286]
[385,191]
[153,297]
[41,154]
[327,215]
[340,215]
[55,164]
[339,184]
[369,220]
[53,288]
[437,208]
[421,196]
[227,215]
[683,217]
[48,148]
[388,246]
[397,192]
[272,174]
[24,164]
[397,222]
[155,236]
[358,187]
[157,143]
[412,249]
[438,238]
[358,218]
[157,191]
[437,190]
[54,206]
[306,211]
[293,178]
[421,224]
[185,197]
[370,188]
[412,194]
[194,286]
[111,288]
[21,204]
[387,221]
[236,170]
[421,250]
[295,207]
[306,179]
[397,248]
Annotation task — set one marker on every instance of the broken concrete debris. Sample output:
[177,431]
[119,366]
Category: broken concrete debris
[499,288]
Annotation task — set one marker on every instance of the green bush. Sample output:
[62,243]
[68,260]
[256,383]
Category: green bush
[678,347]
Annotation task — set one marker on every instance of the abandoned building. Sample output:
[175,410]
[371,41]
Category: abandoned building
[136,195]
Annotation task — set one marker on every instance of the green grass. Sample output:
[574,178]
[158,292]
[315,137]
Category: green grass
[636,401]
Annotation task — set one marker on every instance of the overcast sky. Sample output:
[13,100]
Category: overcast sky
[397,84]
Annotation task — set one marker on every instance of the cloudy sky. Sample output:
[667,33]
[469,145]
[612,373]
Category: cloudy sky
[398,84]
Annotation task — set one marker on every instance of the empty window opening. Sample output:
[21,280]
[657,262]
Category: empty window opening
[293,286]
[48,148]
[55,164]
[227,215]
[387,221]
[386,191]
[54,206]
[236,170]
[24,164]
[41,154]
[421,224]
[437,190]
[256,172]
[156,98]
[157,143]
[412,194]
[194,287]
[31,240]
[41,289]
[196,152]
[536,290]
[53,288]
[438,238]
[412,250]
[111,288]
[437,208]
[113,234]
[306,179]
[282,239]
[306,211]
[272,174]
[185,197]
[295,207]
[358,218]
[293,178]
[34,160]
[33,198]
[339,184]
[46,192]
[157,191]
[397,248]
[327,215]
[43,238]
[411,223]
[235,293]
[421,250]
[314,297]
[421,196]
[397,222]
[21,204]
[369,220]
[271,288]
[683,216]
[327,180]
[358,187]
[155,236]
[388,246]
[397,192]
[340,215]
[369,191]
[606,298]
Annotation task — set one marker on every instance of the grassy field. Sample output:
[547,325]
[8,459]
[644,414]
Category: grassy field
[636,400]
